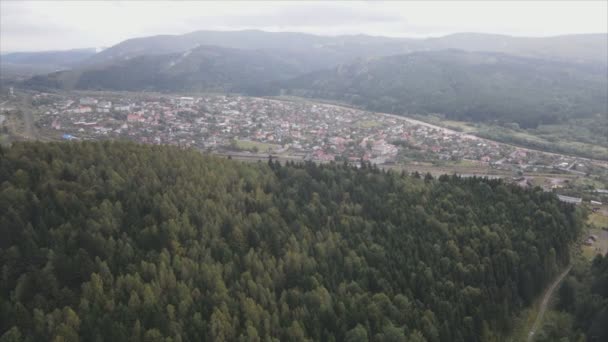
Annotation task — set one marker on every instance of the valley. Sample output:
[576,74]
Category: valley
[315,171]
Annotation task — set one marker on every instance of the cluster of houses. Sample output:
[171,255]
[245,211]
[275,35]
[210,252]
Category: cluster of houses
[294,128]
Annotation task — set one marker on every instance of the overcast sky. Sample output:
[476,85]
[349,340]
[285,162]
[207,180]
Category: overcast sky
[56,25]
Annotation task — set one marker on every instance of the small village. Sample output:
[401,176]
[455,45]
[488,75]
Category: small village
[301,130]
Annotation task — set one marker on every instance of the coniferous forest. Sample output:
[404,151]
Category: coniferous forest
[114,241]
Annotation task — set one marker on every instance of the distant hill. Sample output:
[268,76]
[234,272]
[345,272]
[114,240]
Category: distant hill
[32,63]
[202,68]
[462,85]
[577,48]
[311,51]
[324,51]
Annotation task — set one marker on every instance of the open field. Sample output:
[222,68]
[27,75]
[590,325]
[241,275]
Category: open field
[466,127]
[368,124]
[596,221]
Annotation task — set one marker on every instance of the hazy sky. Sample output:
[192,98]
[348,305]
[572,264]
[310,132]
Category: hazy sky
[54,25]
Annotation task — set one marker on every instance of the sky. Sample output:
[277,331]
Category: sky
[60,25]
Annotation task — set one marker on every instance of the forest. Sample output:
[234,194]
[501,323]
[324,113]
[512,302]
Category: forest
[116,241]
[465,86]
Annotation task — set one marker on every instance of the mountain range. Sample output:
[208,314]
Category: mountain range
[30,63]
[466,76]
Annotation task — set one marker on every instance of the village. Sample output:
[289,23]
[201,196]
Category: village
[301,130]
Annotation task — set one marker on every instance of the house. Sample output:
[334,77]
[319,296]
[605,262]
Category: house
[596,203]
[135,118]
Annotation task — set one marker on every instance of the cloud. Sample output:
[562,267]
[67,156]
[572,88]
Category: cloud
[43,25]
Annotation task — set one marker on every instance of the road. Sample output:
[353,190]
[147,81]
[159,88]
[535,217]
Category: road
[28,122]
[545,303]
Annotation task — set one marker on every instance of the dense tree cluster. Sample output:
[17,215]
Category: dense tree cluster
[117,241]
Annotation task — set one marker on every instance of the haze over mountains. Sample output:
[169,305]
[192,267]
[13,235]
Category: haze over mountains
[465,76]
[29,63]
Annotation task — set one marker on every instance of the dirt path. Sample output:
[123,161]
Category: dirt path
[28,122]
[545,303]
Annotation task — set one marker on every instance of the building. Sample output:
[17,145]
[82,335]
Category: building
[135,117]
[88,101]
[104,106]
[82,110]
[122,108]
[568,199]
[186,101]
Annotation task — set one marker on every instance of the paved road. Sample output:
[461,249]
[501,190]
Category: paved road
[545,303]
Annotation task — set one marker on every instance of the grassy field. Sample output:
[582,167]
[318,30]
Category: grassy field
[4,139]
[368,124]
[596,221]
[257,146]
[461,126]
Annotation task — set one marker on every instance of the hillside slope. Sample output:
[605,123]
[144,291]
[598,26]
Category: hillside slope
[208,68]
[462,85]
[325,51]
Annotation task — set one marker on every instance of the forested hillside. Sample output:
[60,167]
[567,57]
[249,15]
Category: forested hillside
[208,68]
[117,241]
[471,86]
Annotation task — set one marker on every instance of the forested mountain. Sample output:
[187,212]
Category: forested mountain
[575,48]
[118,241]
[31,63]
[311,51]
[208,68]
[325,51]
[475,86]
